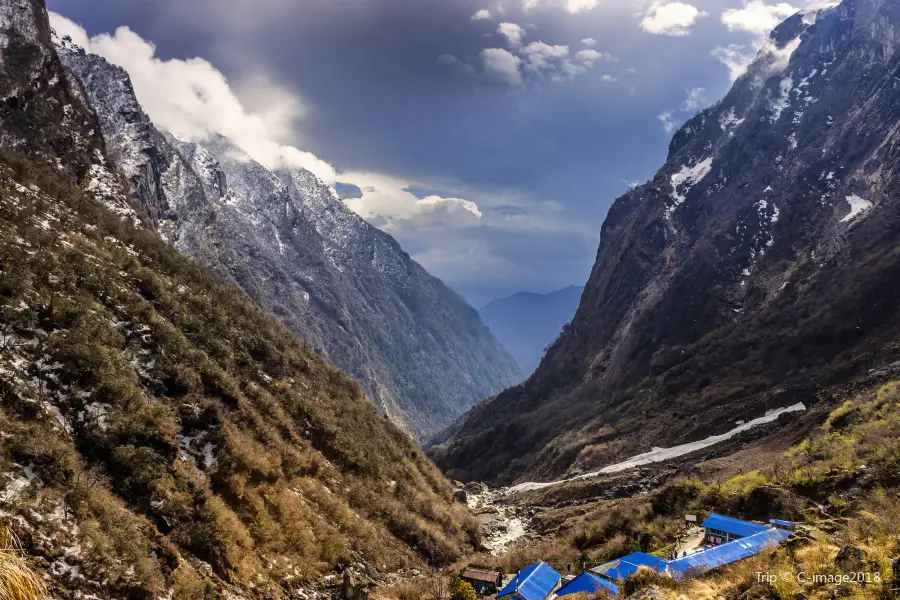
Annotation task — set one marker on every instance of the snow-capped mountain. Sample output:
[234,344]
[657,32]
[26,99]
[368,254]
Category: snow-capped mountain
[757,269]
[286,239]
[42,115]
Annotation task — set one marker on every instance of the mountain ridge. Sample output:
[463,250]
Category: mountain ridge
[753,272]
[162,436]
[526,323]
[286,239]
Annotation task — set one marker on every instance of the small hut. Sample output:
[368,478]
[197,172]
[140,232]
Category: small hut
[483,580]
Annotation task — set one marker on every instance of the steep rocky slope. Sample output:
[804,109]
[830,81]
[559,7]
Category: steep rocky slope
[287,240]
[161,435]
[526,323]
[759,265]
[40,111]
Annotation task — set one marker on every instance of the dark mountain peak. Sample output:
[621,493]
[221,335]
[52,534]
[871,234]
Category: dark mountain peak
[754,267]
[42,115]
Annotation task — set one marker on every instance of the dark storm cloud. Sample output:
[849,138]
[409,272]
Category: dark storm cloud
[379,101]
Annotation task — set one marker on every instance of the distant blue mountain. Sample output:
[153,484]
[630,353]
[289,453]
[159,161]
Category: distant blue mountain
[526,322]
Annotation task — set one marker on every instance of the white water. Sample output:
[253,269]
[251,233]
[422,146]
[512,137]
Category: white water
[661,454]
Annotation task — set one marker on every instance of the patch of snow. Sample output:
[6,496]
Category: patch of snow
[729,120]
[662,454]
[56,413]
[210,462]
[683,180]
[781,102]
[17,483]
[857,206]
[98,412]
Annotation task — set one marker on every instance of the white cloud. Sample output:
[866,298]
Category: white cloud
[588,57]
[501,65]
[387,201]
[668,121]
[609,78]
[671,18]
[589,42]
[482,15]
[554,61]
[193,100]
[539,59]
[737,57]
[572,6]
[512,32]
[696,99]
[539,56]
[757,17]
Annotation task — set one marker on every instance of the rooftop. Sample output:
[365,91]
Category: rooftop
[481,575]
[535,582]
[732,525]
[624,567]
[727,553]
[589,583]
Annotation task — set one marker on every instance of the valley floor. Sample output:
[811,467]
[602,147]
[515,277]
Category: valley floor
[836,473]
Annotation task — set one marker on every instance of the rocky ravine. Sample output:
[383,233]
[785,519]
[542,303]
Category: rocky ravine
[286,239]
[758,266]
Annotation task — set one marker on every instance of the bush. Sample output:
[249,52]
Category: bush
[462,590]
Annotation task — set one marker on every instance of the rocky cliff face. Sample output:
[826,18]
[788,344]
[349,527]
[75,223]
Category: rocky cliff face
[287,240]
[43,115]
[756,268]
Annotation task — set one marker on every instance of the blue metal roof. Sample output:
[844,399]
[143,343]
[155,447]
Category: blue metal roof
[788,524]
[535,582]
[732,525]
[588,582]
[727,553]
[625,567]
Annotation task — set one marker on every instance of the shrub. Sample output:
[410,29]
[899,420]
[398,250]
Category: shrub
[462,590]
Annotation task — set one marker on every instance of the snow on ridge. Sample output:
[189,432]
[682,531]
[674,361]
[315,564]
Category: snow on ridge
[686,178]
[662,454]
[812,12]
[783,100]
[858,205]
[728,120]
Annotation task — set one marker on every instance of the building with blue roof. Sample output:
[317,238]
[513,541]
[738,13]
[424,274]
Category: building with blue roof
[726,553]
[781,524]
[589,583]
[536,582]
[721,529]
[625,567]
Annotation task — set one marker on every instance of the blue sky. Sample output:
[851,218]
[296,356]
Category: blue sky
[490,137]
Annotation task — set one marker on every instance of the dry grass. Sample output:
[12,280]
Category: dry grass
[17,579]
[832,483]
[307,476]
